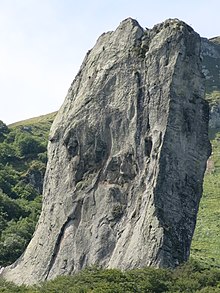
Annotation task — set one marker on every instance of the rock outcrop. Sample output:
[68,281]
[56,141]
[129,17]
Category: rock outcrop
[127,155]
[211,70]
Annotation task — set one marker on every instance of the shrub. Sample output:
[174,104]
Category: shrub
[28,145]
[25,191]
[3,130]
[10,208]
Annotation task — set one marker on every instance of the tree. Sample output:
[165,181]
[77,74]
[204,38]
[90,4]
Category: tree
[10,208]
[28,145]
[8,178]
[3,130]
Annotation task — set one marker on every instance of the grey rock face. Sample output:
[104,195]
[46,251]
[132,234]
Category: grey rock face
[211,70]
[210,48]
[210,52]
[127,154]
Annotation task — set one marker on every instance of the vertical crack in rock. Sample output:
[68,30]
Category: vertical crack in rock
[140,102]
[139,114]
[72,220]
[57,245]
[126,157]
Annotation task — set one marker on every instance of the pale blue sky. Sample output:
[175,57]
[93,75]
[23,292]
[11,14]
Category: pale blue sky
[43,42]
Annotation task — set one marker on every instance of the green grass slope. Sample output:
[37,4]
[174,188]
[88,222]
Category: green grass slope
[45,120]
[206,241]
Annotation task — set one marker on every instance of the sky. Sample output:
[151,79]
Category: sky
[43,43]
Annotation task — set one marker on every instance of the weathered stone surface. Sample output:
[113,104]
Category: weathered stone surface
[127,154]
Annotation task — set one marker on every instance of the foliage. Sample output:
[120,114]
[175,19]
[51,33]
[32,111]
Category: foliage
[190,277]
[15,238]
[8,178]
[3,130]
[23,157]
[26,191]
[28,145]
[10,208]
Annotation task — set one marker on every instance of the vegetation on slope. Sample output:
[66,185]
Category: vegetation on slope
[206,240]
[190,277]
[23,156]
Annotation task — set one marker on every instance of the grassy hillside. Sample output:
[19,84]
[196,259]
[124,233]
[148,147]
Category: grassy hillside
[206,240]
[36,122]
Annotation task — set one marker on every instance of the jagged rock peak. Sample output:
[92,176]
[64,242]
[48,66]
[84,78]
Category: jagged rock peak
[126,157]
[215,40]
[129,22]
